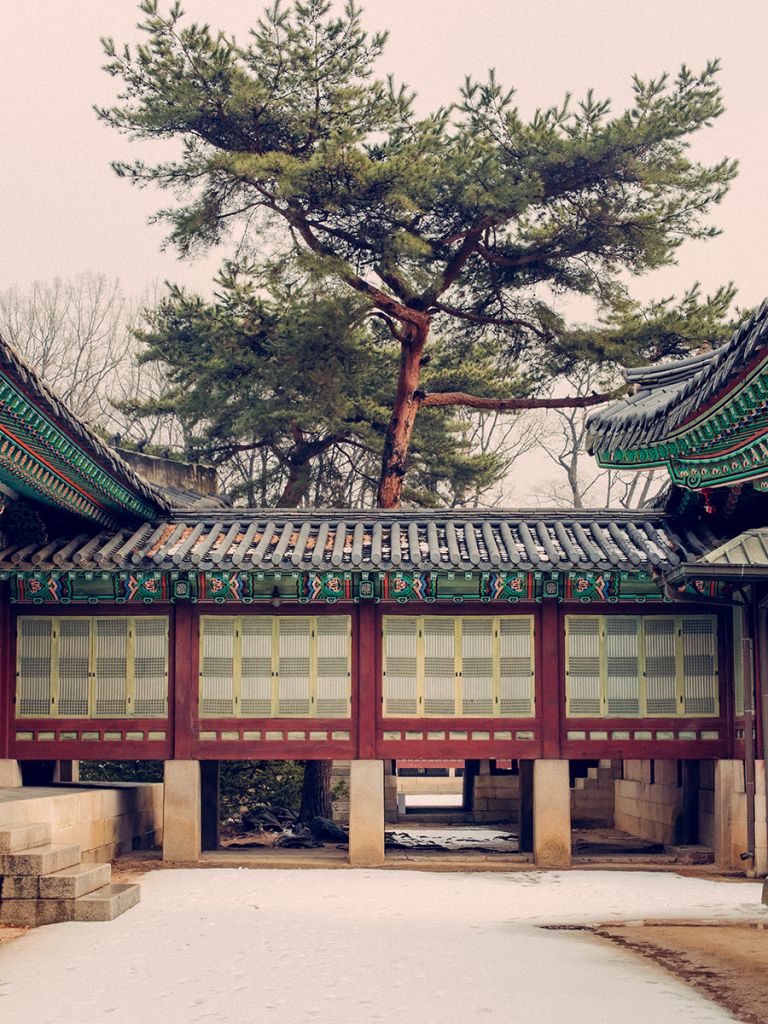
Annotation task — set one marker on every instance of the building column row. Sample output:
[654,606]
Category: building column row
[549,808]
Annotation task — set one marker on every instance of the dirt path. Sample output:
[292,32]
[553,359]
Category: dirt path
[727,963]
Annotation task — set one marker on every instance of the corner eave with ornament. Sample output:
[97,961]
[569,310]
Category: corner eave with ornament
[704,419]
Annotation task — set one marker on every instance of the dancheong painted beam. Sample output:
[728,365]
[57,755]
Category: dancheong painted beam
[705,419]
[50,456]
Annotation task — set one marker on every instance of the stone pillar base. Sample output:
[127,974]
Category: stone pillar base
[10,774]
[551,814]
[366,814]
[730,815]
[181,811]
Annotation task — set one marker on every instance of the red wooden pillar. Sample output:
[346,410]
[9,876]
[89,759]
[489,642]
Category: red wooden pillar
[183,682]
[551,703]
[7,674]
[367,683]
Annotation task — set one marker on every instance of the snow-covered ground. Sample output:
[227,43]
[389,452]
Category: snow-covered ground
[352,947]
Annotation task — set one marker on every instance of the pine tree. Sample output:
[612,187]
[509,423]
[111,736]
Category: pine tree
[471,216]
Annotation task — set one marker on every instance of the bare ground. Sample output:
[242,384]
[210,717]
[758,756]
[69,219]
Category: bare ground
[726,963]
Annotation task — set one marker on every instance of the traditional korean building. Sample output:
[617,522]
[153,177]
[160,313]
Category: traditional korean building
[148,620]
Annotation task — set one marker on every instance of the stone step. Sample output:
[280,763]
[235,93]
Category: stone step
[40,860]
[19,887]
[104,904]
[70,883]
[33,913]
[22,837]
[107,903]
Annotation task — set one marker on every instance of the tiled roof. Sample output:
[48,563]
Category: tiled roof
[748,549]
[327,539]
[15,369]
[670,394]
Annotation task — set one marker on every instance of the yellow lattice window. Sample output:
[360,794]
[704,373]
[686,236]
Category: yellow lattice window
[634,666]
[267,666]
[96,667]
[445,666]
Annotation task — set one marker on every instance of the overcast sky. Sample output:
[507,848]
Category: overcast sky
[63,211]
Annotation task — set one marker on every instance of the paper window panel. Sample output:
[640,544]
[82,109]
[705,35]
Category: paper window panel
[74,641]
[111,667]
[294,666]
[439,666]
[583,657]
[256,666]
[699,637]
[622,665]
[400,665]
[477,696]
[333,666]
[660,666]
[34,659]
[150,667]
[516,679]
[217,667]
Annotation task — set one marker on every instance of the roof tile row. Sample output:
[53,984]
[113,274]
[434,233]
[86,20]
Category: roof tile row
[289,540]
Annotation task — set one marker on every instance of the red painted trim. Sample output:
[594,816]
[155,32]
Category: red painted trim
[549,703]
[368,702]
[691,750]
[758,639]
[82,609]
[183,681]
[234,610]
[459,749]
[57,472]
[85,750]
[90,724]
[278,724]
[7,670]
[268,750]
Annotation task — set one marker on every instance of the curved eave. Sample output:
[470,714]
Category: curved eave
[47,454]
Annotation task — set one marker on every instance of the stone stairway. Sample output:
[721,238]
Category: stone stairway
[43,883]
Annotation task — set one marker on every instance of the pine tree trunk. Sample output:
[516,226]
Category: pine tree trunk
[404,410]
[316,791]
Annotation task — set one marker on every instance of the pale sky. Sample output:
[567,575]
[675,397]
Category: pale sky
[64,212]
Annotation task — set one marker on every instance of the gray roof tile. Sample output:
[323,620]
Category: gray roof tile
[324,540]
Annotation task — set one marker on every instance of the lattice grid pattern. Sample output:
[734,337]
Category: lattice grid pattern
[446,666]
[632,666]
[92,667]
[265,666]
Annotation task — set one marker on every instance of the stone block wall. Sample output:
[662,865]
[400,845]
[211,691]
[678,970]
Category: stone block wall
[729,818]
[593,797]
[105,820]
[340,790]
[651,810]
[497,797]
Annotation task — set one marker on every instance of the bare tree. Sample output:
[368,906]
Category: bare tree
[582,484]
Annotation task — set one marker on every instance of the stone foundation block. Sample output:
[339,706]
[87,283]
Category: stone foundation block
[21,837]
[107,903]
[366,813]
[39,860]
[551,814]
[10,774]
[182,827]
[75,881]
[19,887]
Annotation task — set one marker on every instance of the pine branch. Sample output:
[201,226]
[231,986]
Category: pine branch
[513,404]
